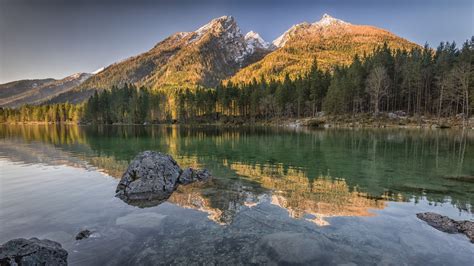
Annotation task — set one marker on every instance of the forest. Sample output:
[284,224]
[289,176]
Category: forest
[421,82]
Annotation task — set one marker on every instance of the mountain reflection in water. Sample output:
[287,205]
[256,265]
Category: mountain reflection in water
[313,175]
[317,198]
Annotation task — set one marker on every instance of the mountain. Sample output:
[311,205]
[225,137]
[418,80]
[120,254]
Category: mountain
[217,51]
[203,57]
[17,93]
[330,40]
[256,44]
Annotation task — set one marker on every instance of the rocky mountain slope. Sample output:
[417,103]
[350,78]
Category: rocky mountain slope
[17,93]
[203,57]
[331,41]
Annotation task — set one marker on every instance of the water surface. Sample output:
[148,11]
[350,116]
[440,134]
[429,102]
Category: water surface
[278,196]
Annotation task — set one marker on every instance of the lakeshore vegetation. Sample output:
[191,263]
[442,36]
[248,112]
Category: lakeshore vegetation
[419,82]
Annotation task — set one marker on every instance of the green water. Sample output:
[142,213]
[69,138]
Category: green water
[278,195]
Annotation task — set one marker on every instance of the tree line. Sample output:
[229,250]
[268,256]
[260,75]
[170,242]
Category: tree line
[419,82]
[50,113]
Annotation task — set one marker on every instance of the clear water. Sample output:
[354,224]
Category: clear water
[278,196]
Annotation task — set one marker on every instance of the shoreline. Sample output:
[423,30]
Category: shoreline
[321,122]
[371,122]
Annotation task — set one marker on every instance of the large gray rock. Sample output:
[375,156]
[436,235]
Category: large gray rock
[448,225]
[32,252]
[152,177]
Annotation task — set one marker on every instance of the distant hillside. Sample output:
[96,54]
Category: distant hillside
[17,93]
[331,41]
[20,86]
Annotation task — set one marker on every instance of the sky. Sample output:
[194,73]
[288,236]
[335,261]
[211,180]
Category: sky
[57,38]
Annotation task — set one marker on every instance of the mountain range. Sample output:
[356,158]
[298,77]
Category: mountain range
[331,41]
[216,52]
[37,91]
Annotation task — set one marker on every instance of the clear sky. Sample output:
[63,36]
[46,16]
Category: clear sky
[54,38]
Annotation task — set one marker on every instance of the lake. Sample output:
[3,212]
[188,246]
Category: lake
[278,196]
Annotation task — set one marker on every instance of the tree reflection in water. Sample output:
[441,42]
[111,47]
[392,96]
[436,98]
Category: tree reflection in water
[289,169]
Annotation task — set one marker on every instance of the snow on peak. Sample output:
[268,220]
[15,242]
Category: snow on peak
[81,77]
[98,70]
[75,76]
[227,36]
[253,35]
[281,41]
[327,20]
[227,23]
[220,20]
[254,40]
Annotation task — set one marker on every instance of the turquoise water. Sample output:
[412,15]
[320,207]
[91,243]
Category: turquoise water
[278,196]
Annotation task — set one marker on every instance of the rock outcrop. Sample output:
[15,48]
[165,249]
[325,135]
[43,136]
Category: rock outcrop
[32,251]
[152,177]
[448,225]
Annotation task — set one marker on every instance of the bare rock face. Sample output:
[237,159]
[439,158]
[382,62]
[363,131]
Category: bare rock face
[152,177]
[32,252]
[448,225]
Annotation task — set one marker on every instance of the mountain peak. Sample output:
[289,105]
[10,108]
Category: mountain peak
[254,40]
[224,21]
[252,35]
[328,20]
[224,18]
[216,26]
[326,16]
[281,41]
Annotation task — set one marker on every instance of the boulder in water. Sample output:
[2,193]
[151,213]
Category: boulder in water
[448,225]
[83,234]
[32,251]
[152,177]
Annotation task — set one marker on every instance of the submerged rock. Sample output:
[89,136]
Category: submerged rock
[292,248]
[152,177]
[190,175]
[32,251]
[83,234]
[141,220]
[448,225]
